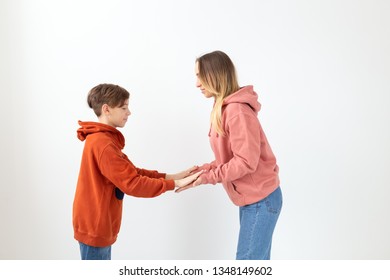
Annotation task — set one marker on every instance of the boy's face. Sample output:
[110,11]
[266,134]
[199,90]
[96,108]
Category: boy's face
[118,115]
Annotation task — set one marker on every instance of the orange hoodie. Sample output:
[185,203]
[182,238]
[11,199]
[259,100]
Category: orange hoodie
[105,175]
[244,162]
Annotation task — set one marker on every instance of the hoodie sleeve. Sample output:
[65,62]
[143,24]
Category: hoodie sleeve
[150,173]
[206,166]
[147,172]
[243,132]
[117,168]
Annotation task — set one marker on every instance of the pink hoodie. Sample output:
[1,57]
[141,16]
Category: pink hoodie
[244,162]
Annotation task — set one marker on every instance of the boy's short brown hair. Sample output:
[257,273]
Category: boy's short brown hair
[112,95]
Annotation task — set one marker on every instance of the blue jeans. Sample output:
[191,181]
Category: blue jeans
[94,253]
[257,224]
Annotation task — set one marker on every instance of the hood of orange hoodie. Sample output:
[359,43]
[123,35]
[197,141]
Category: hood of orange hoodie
[245,95]
[88,128]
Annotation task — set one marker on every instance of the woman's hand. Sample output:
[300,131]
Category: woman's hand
[181,183]
[182,174]
[195,183]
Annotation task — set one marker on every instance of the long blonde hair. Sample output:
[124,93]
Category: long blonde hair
[218,76]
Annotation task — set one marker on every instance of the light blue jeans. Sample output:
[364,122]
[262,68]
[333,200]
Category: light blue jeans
[257,224]
[94,253]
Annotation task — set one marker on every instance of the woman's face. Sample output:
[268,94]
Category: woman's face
[206,93]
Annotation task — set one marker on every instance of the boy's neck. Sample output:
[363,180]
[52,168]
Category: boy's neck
[104,120]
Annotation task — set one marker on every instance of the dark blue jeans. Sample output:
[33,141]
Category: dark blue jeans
[257,224]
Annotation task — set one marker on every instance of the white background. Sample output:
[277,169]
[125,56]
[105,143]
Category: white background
[321,69]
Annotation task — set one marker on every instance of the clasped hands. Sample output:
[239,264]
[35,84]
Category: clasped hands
[186,179]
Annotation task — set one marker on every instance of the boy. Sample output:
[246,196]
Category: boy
[106,174]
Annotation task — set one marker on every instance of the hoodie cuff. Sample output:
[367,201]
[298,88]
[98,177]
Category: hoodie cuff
[203,179]
[170,185]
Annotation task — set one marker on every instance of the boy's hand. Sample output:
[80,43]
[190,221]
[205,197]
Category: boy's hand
[182,174]
[195,183]
[180,183]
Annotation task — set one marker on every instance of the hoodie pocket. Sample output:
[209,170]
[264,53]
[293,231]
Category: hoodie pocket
[235,196]
[235,189]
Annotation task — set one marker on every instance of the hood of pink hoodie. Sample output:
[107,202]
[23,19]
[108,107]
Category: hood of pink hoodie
[244,95]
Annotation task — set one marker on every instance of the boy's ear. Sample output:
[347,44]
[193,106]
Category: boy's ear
[105,109]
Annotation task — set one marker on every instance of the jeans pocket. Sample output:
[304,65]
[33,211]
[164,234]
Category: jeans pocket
[274,201]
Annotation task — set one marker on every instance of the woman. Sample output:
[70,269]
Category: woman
[244,162]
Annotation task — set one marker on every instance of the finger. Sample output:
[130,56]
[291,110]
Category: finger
[198,173]
[182,188]
[188,185]
[192,169]
[197,182]
[193,177]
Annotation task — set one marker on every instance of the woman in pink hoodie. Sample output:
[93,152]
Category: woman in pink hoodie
[244,162]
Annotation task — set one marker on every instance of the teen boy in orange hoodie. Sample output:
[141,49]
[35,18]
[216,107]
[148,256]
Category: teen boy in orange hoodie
[106,174]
